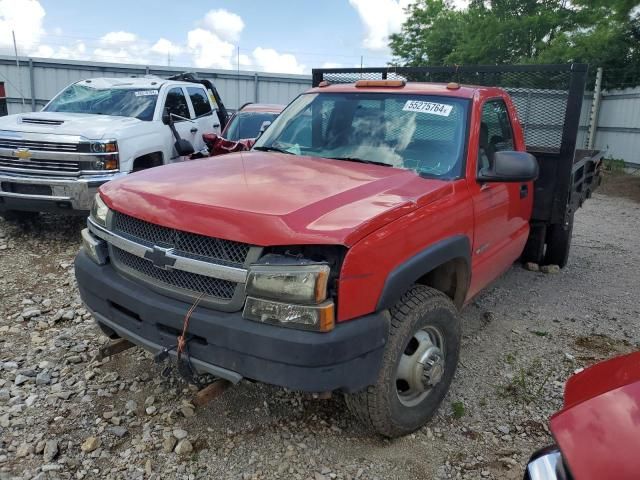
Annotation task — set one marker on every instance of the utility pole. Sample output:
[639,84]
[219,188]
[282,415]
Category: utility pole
[15,50]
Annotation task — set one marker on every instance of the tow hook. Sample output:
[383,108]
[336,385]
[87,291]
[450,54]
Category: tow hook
[113,348]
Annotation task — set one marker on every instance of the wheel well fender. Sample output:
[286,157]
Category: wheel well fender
[445,265]
[149,160]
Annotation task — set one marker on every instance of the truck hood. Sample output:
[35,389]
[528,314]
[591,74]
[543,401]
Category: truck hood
[273,199]
[91,126]
[599,427]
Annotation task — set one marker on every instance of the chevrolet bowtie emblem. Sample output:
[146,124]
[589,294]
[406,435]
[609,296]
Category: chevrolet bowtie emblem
[22,153]
[158,256]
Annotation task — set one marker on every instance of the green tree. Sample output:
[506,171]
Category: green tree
[603,33]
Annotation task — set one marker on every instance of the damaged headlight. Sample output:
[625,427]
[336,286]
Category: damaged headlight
[289,292]
[291,283]
[99,211]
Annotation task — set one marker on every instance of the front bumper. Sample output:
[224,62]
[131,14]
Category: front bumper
[231,347]
[67,194]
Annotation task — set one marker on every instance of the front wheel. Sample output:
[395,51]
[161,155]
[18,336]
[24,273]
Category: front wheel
[419,363]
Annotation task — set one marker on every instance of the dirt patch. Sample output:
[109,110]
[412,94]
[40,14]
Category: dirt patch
[621,185]
[603,345]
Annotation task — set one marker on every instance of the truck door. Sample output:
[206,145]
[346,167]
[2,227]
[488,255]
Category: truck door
[203,114]
[176,104]
[500,209]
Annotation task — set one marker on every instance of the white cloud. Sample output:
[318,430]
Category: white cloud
[118,39]
[164,46]
[224,24]
[332,65]
[270,60]
[209,50]
[212,44]
[381,18]
[25,18]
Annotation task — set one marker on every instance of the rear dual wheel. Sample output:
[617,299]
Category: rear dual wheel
[418,365]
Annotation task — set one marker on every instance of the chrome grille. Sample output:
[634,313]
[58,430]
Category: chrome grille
[39,165]
[42,146]
[192,282]
[187,244]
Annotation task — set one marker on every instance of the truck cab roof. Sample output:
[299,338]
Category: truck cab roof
[423,88]
[125,82]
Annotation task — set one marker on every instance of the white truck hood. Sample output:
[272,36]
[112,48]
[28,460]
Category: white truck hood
[91,126]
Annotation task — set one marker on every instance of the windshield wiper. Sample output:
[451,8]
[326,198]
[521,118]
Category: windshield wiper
[273,149]
[360,160]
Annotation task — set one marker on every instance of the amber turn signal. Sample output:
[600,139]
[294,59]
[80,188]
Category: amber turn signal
[381,83]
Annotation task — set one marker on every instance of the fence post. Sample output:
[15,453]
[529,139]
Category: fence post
[32,84]
[255,87]
[595,110]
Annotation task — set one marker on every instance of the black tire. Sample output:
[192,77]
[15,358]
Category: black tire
[559,243]
[380,406]
[17,215]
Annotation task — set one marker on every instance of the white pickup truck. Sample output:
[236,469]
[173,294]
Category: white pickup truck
[96,130]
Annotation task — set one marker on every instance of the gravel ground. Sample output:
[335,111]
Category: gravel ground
[65,415]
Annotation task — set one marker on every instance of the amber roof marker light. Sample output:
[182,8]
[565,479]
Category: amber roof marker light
[453,86]
[381,83]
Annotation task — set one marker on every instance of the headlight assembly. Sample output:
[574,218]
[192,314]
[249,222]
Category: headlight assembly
[305,284]
[99,211]
[290,292]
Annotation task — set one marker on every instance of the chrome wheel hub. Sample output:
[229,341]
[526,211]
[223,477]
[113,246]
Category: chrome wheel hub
[421,366]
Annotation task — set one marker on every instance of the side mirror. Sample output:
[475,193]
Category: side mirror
[166,118]
[264,126]
[546,464]
[184,147]
[510,167]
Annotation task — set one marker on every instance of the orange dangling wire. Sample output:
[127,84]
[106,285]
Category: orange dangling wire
[182,341]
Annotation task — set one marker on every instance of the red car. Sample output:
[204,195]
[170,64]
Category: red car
[249,119]
[598,430]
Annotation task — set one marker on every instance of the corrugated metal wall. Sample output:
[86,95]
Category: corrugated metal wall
[619,125]
[46,77]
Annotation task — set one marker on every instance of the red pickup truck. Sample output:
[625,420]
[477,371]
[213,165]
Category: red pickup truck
[336,254]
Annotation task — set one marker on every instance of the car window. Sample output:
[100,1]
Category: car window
[496,133]
[176,103]
[423,133]
[247,124]
[199,100]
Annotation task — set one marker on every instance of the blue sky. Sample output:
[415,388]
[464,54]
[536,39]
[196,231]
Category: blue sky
[274,35]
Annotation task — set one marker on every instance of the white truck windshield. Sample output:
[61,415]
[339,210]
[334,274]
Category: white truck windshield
[124,102]
[423,133]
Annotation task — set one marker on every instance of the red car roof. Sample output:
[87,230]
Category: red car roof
[262,107]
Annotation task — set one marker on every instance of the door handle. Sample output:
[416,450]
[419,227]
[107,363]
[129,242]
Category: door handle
[524,190]
[194,130]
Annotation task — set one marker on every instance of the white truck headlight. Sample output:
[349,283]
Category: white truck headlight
[306,284]
[99,211]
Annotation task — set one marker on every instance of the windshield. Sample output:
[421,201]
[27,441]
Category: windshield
[247,124]
[123,102]
[423,133]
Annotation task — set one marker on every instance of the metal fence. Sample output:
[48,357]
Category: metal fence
[618,124]
[31,84]
[34,81]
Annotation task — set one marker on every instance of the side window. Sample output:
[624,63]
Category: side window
[176,103]
[199,100]
[496,133]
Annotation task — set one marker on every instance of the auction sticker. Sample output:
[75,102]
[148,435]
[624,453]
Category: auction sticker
[441,109]
[144,93]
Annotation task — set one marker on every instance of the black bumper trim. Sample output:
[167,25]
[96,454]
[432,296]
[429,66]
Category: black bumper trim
[347,358]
